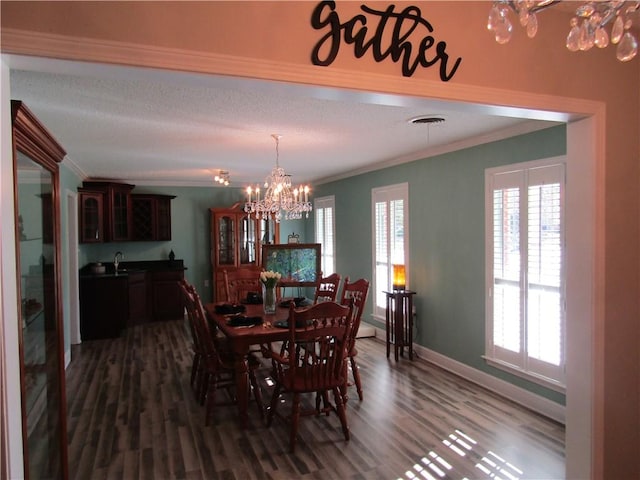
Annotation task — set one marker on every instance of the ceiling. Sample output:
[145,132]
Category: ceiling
[154,127]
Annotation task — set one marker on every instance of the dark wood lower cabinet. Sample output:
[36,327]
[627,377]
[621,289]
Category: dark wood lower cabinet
[103,306]
[166,296]
[142,292]
[138,298]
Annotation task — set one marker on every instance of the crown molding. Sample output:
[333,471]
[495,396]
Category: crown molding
[494,100]
[71,165]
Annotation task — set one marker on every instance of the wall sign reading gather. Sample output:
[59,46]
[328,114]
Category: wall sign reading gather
[402,25]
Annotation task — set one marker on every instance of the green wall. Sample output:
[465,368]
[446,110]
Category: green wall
[446,240]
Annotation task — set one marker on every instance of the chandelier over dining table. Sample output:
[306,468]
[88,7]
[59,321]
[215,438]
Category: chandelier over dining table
[279,197]
[588,28]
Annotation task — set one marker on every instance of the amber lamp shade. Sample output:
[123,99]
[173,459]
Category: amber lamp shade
[398,277]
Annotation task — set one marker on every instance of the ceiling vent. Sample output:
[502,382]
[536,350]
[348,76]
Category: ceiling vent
[426,120]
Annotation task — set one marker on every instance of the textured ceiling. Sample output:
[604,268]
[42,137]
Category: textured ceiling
[155,127]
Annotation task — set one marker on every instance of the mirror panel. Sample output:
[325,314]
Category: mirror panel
[38,263]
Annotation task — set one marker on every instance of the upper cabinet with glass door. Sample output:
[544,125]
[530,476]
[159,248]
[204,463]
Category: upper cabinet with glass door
[115,218]
[91,218]
[224,238]
[110,212]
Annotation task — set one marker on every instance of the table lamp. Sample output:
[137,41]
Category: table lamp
[398,277]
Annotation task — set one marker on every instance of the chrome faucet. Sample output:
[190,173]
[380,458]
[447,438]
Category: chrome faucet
[116,260]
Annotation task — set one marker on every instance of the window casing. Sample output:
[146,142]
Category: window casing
[390,208]
[525,297]
[324,213]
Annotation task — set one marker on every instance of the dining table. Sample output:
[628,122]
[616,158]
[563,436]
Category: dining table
[241,338]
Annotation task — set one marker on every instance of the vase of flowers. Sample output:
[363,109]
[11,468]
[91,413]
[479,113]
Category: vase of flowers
[269,280]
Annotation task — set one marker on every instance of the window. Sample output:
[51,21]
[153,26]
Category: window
[390,222]
[525,269]
[325,232]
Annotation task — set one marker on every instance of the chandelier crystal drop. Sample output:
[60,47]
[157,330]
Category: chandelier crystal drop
[279,196]
[587,28]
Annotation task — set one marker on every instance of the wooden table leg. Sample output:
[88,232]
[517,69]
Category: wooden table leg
[242,389]
[388,329]
[399,328]
[410,327]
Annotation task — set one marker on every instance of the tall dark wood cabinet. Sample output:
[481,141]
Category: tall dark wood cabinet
[36,155]
[236,242]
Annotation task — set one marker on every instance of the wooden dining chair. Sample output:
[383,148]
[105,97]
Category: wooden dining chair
[355,292]
[239,283]
[197,348]
[327,288]
[218,371]
[312,361]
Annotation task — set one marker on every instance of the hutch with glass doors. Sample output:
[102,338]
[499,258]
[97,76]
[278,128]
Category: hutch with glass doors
[236,243]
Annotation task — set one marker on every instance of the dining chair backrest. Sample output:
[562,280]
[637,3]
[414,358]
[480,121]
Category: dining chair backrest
[355,292]
[197,364]
[186,288]
[316,346]
[327,288]
[196,313]
[239,283]
[312,361]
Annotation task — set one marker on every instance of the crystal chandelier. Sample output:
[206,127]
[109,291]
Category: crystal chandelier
[278,196]
[222,178]
[587,27]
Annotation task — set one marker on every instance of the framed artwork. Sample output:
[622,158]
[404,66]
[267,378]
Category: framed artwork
[298,263]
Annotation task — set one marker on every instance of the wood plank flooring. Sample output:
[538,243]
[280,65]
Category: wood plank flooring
[132,415]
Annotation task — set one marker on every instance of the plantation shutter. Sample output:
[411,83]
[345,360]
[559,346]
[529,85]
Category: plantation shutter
[526,297]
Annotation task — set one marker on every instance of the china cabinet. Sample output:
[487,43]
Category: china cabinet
[38,260]
[236,242]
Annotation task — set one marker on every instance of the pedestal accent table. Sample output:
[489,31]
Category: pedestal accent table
[399,322]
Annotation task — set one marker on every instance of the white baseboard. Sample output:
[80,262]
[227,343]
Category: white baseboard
[366,330]
[67,358]
[530,400]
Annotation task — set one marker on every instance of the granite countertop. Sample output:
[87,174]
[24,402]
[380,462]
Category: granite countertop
[127,268]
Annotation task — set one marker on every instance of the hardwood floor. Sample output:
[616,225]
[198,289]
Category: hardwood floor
[132,415]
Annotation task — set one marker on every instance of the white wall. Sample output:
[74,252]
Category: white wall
[8,293]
